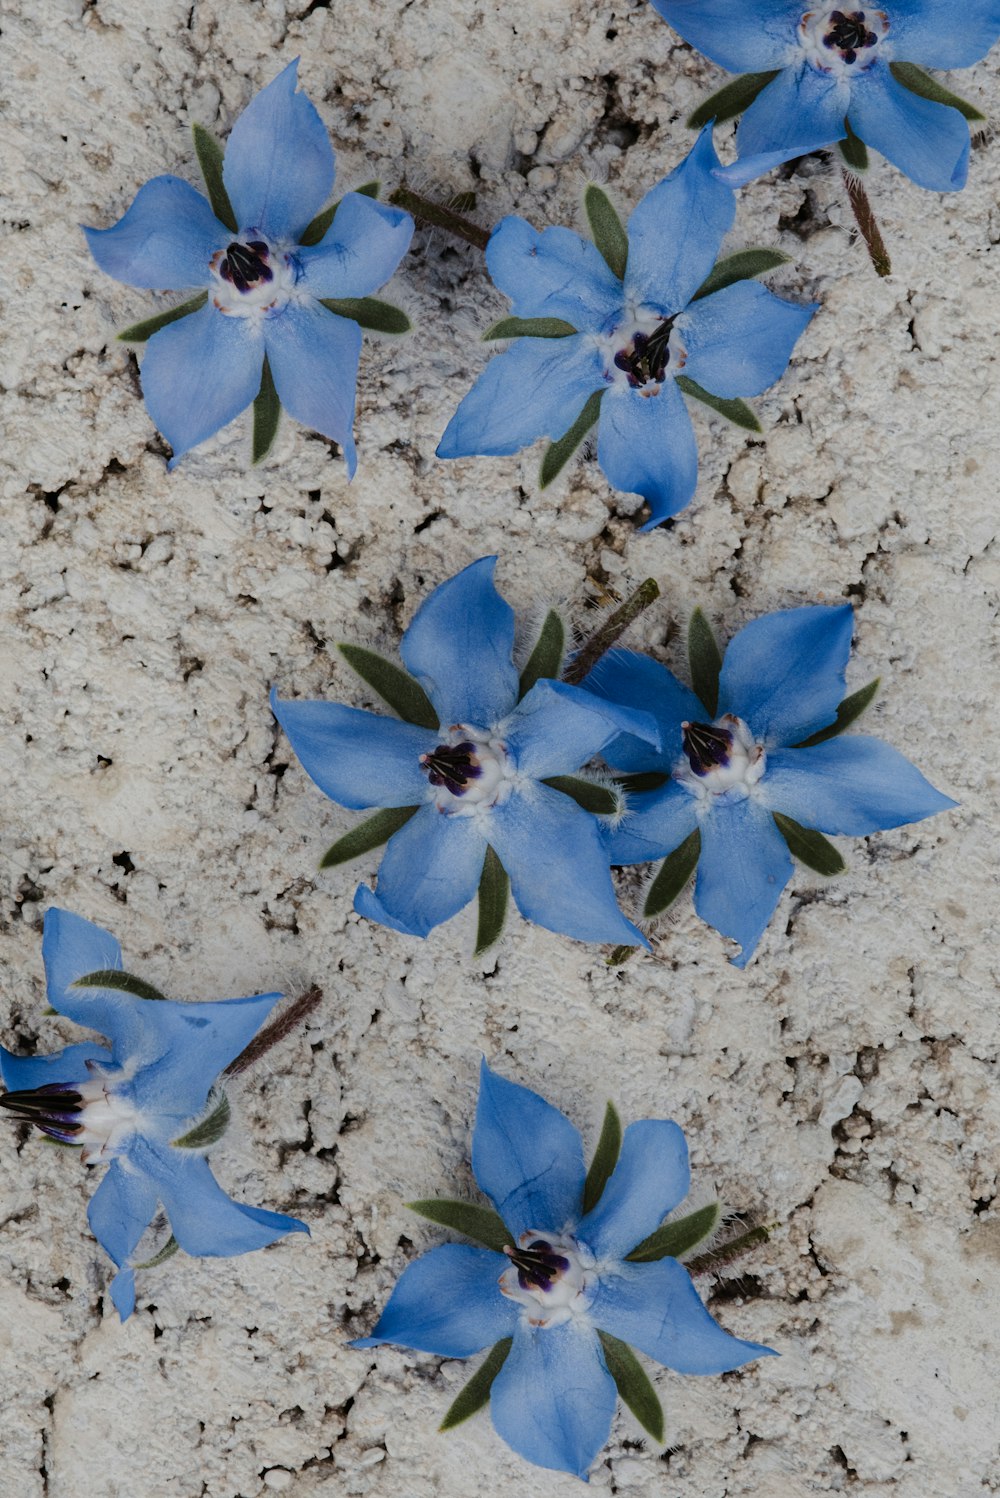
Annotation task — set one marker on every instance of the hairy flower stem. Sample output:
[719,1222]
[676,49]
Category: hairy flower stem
[287,1021]
[430,212]
[614,626]
[867,225]
[725,1253]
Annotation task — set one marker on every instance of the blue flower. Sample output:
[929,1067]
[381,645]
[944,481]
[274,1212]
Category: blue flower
[478,780]
[634,337]
[834,69]
[563,1279]
[128,1107]
[266,289]
[734,765]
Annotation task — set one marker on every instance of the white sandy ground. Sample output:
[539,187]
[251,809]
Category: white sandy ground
[844,1087]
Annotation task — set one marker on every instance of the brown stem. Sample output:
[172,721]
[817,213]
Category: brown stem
[430,212]
[614,626]
[288,1020]
[725,1253]
[867,224]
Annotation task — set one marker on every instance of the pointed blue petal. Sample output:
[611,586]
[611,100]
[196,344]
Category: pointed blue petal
[651,1178]
[852,785]
[656,824]
[360,250]
[164,242]
[553,273]
[929,142]
[748,168]
[637,681]
[740,340]
[69,1065]
[743,37]
[181,1050]
[72,947]
[553,1399]
[278,167]
[744,866]
[198,374]
[358,759]
[314,355]
[801,109]
[448,1302]
[429,872]
[120,1211]
[647,446]
[527,1157]
[460,647]
[936,35]
[122,1289]
[656,1308]
[556,728]
[784,673]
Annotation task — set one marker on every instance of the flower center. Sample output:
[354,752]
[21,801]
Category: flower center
[469,770]
[551,1276]
[643,351]
[252,275]
[89,1114]
[720,756]
[839,41]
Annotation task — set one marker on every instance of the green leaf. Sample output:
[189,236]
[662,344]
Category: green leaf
[853,150]
[599,799]
[368,312]
[266,415]
[633,1384]
[642,780]
[849,710]
[736,411]
[166,1252]
[605,1159]
[558,453]
[675,871]
[529,327]
[315,231]
[731,100]
[742,266]
[494,888]
[210,1130]
[546,660]
[919,82]
[395,686]
[479,1223]
[369,834]
[810,847]
[209,154]
[607,229]
[138,332]
[477,1391]
[705,660]
[120,982]
[674,1239]
[621,955]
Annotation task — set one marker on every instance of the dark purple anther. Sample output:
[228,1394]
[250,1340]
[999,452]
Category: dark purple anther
[453,766]
[848,33]
[54,1109]
[649,356]
[707,746]
[538,1266]
[246,264]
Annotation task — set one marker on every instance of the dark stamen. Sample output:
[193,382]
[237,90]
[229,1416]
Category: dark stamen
[707,746]
[453,766]
[848,33]
[246,264]
[538,1266]
[54,1109]
[649,356]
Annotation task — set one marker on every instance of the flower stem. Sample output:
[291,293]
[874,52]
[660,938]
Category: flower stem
[614,626]
[725,1253]
[443,218]
[867,225]
[288,1020]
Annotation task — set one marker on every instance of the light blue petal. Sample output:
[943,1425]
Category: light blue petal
[164,242]
[647,446]
[360,250]
[740,340]
[801,109]
[122,1289]
[553,273]
[852,785]
[637,681]
[674,234]
[744,866]
[278,167]
[784,673]
[558,866]
[429,872]
[556,728]
[656,1308]
[314,355]
[71,948]
[537,388]
[936,34]
[527,1157]
[748,168]
[22,1073]
[553,1400]
[120,1211]
[460,647]
[447,1302]
[356,758]
[929,142]
[745,36]
[183,1048]
[656,824]
[199,373]
[651,1178]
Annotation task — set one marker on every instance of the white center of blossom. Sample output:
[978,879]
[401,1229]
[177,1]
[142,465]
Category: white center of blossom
[720,756]
[106,1120]
[842,42]
[552,1277]
[643,351]
[91,1114]
[469,770]
[252,276]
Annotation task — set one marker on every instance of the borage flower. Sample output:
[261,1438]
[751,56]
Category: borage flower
[284,299]
[753,761]
[569,1285]
[147,1107]
[627,331]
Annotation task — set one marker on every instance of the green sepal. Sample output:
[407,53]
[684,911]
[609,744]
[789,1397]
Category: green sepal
[209,154]
[477,1391]
[642,780]
[315,231]
[736,411]
[546,660]
[599,799]
[675,871]
[743,266]
[810,847]
[494,890]
[605,1159]
[705,660]
[397,687]
[479,1223]
[266,415]
[558,453]
[633,1384]
[371,313]
[621,955]
[138,332]
[853,150]
[674,1239]
[730,101]
[849,710]
[62,1144]
[166,1252]
[529,327]
[369,834]
[210,1130]
[607,229]
[921,83]
[121,982]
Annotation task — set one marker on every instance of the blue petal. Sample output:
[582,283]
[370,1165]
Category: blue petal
[748,168]
[743,37]
[558,865]
[120,1211]
[122,1289]
[553,1400]
[448,1302]
[19,1073]
[637,681]
[199,373]
[314,355]
[801,109]
[556,728]
[430,870]
[646,446]
[935,34]
[165,241]
[656,1308]
[929,142]
[744,866]
[656,824]
[356,758]
[740,340]
[71,948]
[537,388]
[675,232]
[553,273]
[460,647]
[784,673]
[527,1157]
[278,168]
[850,785]
[359,251]
[651,1177]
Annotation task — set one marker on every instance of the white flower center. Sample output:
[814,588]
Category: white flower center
[842,42]
[106,1119]
[643,351]
[471,769]
[553,1277]
[91,1114]
[252,276]
[720,756]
